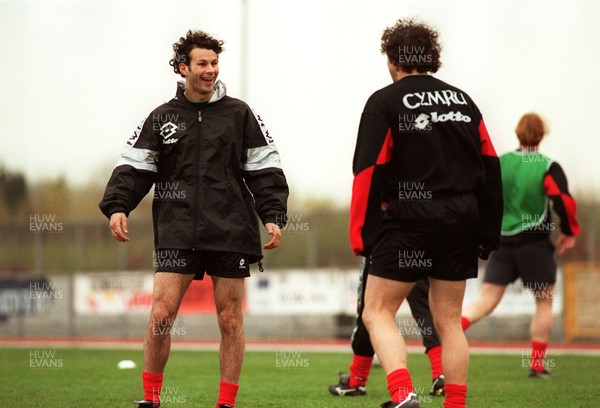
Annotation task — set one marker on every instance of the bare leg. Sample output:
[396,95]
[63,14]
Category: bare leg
[229,293]
[489,297]
[383,297]
[541,324]
[445,301]
[169,288]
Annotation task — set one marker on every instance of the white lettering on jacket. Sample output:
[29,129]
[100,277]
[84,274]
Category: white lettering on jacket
[445,97]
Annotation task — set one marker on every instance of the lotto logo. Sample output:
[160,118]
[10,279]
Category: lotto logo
[423,119]
[167,130]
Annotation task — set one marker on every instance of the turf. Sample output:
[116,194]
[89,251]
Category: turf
[279,378]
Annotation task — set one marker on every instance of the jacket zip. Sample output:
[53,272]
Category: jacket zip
[195,244]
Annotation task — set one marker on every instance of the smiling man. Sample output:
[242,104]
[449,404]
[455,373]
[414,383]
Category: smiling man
[215,171]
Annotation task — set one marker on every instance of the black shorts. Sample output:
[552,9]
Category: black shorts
[533,262]
[435,238]
[186,261]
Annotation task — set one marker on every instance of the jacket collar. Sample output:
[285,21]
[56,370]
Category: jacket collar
[220,91]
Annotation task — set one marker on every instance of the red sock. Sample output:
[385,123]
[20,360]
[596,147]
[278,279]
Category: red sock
[435,359]
[538,352]
[399,384]
[456,395]
[227,393]
[359,370]
[152,384]
[465,323]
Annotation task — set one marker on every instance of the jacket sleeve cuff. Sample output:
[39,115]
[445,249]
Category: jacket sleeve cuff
[115,209]
[279,219]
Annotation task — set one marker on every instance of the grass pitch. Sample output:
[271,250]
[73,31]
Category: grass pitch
[56,377]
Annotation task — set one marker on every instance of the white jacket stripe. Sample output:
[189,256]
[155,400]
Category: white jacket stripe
[263,157]
[141,159]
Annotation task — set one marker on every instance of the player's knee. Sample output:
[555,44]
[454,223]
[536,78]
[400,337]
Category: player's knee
[543,321]
[368,318]
[161,316]
[546,326]
[447,323]
[230,322]
[491,296]
[543,298]
[485,309]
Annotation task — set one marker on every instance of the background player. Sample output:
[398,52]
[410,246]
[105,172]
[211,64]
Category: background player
[529,179]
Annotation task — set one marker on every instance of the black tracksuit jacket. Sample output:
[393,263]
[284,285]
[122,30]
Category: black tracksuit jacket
[214,167]
[421,137]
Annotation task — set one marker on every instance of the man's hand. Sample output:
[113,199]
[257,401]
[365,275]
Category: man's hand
[565,242]
[118,226]
[275,234]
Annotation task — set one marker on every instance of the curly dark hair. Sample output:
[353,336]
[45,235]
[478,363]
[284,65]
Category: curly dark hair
[411,44]
[193,39]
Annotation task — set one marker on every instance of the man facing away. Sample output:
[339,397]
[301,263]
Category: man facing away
[214,167]
[423,148]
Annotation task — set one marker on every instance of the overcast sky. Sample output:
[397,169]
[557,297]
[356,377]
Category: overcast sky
[77,77]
